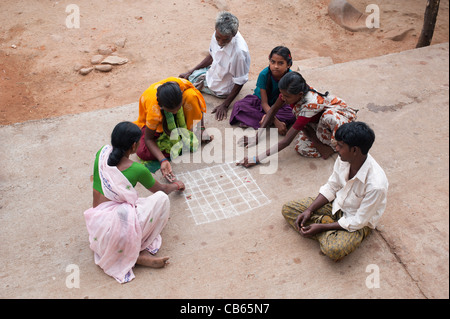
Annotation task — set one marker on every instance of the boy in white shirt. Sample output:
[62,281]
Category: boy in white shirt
[225,70]
[351,203]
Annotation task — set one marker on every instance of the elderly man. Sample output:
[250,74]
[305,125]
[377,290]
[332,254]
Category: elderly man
[224,71]
[351,203]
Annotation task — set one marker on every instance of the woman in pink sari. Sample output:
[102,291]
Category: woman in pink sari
[124,229]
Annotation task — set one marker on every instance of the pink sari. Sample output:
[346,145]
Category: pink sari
[124,226]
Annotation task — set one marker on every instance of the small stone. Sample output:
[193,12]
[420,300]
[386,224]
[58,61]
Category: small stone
[112,59]
[97,59]
[103,67]
[77,67]
[85,71]
[120,42]
[106,49]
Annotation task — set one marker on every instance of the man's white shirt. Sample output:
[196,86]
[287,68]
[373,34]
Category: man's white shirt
[362,199]
[230,66]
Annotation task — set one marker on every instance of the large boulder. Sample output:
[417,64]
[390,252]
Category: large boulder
[347,16]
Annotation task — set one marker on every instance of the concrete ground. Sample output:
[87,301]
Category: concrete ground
[45,187]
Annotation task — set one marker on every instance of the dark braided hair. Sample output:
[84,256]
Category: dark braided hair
[294,83]
[285,54]
[123,136]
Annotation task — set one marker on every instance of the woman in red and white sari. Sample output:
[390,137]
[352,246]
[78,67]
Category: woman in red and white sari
[124,229]
[318,116]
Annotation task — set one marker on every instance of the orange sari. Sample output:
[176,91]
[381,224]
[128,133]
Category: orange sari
[193,103]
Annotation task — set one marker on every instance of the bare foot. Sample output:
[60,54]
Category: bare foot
[324,150]
[147,259]
[206,138]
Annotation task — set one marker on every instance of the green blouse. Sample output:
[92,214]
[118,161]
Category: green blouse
[137,172]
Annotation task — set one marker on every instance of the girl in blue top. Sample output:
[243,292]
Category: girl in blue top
[250,111]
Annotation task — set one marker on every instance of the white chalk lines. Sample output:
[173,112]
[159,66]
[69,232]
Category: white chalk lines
[221,192]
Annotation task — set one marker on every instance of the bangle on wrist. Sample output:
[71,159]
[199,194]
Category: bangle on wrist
[178,186]
[164,159]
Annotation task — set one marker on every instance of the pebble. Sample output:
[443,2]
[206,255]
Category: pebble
[85,71]
[106,49]
[97,59]
[77,67]
[104,64]
[120,42]
[103,67]
[112,59]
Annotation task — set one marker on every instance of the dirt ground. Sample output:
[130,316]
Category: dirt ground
[39,54]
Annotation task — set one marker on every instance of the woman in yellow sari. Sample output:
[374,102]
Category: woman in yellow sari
[168,105]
